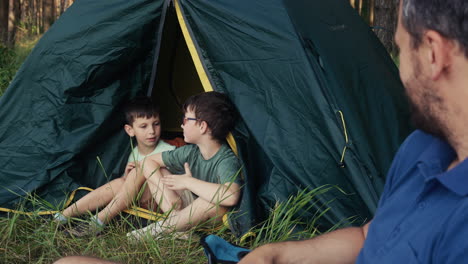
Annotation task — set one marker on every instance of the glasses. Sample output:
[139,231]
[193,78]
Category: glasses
[185,119]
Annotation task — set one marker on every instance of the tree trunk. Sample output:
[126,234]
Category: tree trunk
[371,13]
[62,6]
[4,10]
[386,15]
[14,17]
[48,15]
[35,19]
[39,16]
[57,9]
[360,5]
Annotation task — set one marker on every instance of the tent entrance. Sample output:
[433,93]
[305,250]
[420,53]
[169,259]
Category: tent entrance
[176,75]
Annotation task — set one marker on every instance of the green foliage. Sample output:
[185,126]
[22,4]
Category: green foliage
[7,70]
[297,218]
[11,59]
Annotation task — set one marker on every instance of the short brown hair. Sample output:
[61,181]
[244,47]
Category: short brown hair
[448,17]
[216,110]
[140,106]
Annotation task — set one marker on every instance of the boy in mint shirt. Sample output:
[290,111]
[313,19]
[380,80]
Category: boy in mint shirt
[142,122]
[197,182]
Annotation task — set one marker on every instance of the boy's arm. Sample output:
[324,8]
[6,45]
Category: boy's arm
[157,158]
[222,194]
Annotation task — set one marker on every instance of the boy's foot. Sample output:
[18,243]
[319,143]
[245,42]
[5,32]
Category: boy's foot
[84,229]
[155,231]
[59,218]
[89,228]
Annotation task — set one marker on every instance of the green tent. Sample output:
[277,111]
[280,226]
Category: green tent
[320,99]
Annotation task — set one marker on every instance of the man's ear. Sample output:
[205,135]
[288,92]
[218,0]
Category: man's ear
[129,130]
[439,53]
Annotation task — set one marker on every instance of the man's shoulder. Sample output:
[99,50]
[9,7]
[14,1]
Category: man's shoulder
[409,153]
[415,144]
[419,138]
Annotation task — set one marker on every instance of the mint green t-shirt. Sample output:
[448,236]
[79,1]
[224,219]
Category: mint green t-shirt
[161,147]
[222,168]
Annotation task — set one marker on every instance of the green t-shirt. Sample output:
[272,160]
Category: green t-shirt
[223,167]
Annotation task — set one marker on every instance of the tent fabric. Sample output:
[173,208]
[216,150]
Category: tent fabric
[62,109]
[320,99]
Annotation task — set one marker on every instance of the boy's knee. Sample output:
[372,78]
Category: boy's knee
[177,205]
[216,210]
[221,211]
[120,181]
[152,170]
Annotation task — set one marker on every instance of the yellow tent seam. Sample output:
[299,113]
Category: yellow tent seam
[345,131]
[198,64]
[193,51]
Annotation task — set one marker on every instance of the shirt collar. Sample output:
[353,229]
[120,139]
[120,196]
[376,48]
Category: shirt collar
[456,179]
[435,160]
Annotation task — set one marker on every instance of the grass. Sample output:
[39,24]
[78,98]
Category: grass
[36,239]
[32,239]
[12,58]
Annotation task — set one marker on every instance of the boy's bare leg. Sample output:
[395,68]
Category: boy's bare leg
[95,199]
[194,214]
[83,260]
[166,199]
[198,212]
[124,197]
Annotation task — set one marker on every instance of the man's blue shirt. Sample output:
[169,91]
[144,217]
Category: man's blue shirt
[422,215]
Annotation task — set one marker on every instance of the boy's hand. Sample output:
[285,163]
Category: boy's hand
[130,166]
[178,182]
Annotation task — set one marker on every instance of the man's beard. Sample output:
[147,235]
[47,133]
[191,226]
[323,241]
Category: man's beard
[423,116]
[427,107]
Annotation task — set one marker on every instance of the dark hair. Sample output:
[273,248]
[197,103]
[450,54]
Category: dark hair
[141,106]
[216,110]
[448,17]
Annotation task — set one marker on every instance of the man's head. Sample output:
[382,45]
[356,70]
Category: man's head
[428,32]
[213,110]
[447,17]
[142,122]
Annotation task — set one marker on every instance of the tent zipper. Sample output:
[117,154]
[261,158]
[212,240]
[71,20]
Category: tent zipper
[157,48]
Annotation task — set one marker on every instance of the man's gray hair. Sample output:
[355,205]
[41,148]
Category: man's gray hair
[448,17]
